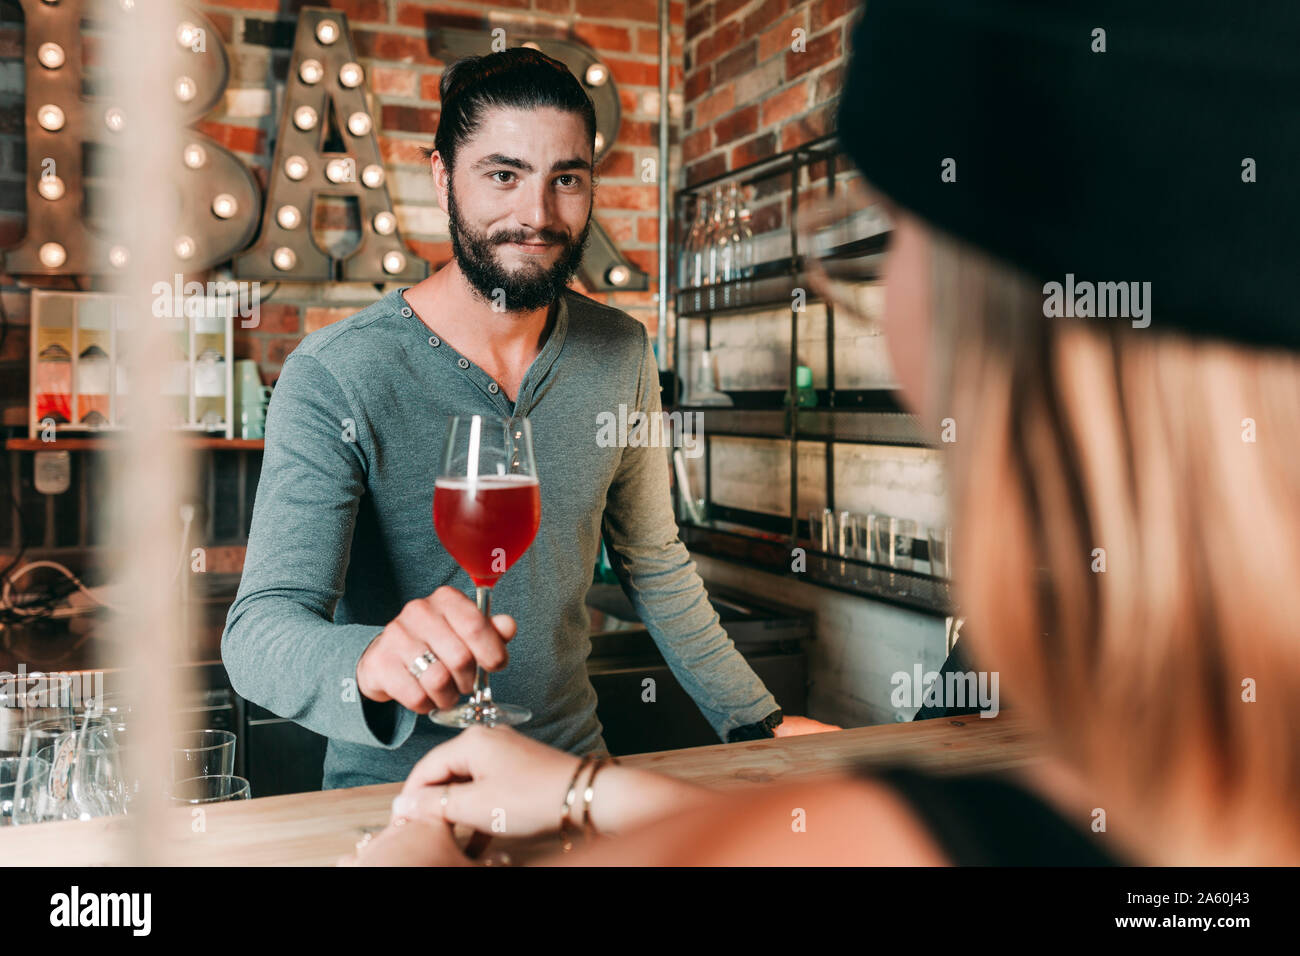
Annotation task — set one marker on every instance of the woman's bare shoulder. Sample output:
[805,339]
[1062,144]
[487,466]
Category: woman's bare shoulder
[822,821]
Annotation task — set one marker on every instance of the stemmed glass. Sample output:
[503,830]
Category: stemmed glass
[487,506]
[98,777]
[203,753]
[109,770]
[10,802]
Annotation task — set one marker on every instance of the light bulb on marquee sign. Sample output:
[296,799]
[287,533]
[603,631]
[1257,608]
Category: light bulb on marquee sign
[220,200]
[288,217]
[50,55]
[311,71]
[51,187]
[359,124]
[225,206]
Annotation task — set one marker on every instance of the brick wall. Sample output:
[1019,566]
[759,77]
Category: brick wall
[402,86]
[749,92]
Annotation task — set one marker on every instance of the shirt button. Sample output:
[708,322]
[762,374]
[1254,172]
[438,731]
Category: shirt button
[406,312]
[435,341]
[463,363]
[494,388]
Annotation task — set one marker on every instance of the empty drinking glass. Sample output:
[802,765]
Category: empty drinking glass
[99,781]
[57,771]
[203,753]
[882,538]
[116,775]
[848,535]
[902,533]
[216,788]
[871,538]
[32,799]
[893,539]
[116,707]
[940,552]
[828,531]
[8,788]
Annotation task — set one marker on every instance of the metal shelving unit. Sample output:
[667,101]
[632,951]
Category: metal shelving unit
[872,416]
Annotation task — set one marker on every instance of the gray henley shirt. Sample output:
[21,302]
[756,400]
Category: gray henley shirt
[342,534]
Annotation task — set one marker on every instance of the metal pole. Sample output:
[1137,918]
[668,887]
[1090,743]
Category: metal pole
[664,47]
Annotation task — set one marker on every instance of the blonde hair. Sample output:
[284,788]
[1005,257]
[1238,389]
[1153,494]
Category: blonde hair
[1174,461]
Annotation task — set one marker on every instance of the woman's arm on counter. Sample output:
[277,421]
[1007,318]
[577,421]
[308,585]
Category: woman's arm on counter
[819,822]
[496,780]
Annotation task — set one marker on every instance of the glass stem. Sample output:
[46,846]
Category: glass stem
[482,687]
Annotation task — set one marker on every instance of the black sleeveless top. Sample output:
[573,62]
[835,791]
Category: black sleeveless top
[986,820]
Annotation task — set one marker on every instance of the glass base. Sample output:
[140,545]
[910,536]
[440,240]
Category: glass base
[482,712]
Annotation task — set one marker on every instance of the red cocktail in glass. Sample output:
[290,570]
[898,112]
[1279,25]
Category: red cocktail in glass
[487,523]
[487,506]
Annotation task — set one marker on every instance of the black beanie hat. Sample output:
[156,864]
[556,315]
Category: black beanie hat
[1114,141]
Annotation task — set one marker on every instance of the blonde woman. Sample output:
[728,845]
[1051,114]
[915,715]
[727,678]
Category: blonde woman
[1125,488]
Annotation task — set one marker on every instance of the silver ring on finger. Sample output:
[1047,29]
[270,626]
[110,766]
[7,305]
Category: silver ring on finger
[421,664]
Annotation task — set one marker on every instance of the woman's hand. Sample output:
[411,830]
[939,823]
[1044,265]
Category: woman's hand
[797,726]
[409,843]
[493,779]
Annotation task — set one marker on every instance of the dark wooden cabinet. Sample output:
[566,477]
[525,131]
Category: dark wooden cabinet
[280,756]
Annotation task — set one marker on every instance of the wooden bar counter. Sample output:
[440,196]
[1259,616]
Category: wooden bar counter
[315,829]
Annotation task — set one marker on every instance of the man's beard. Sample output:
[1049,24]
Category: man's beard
[530,285]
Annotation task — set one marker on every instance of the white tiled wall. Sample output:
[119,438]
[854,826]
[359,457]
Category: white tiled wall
[859,643]
[754,474]
[893,480]
[752,350]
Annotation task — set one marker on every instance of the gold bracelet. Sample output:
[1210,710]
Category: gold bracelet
[565,824]
[588,827]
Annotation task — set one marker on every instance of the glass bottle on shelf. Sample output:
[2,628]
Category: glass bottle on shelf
[684,253]
[713,249]
[696,266]
[704,388]
[805,396]
[745,248]
[736,247]
[727,250]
